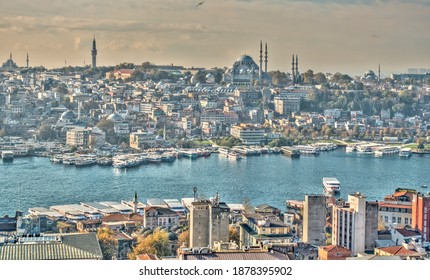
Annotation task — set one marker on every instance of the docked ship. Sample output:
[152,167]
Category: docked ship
[331,185]
[405,152]
[387,151]
[351,148]
[290,151]
[365,150]
[307,150]
[7,156]
[233,155]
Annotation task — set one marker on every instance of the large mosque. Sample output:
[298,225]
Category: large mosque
[245,72]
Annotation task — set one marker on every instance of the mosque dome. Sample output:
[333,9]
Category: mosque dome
[68,116]
[369,75]
[246,59]
[114,117]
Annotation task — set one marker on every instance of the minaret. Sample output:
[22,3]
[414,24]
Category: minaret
[27,60]
[265,59]
[379,72]
[135,202]
[94,52]
[297,69]
[260,74]
[293,72]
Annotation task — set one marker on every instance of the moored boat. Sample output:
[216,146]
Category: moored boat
[331,185]
[7,156]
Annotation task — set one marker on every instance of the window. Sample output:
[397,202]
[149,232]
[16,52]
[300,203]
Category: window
[399,220]
[406,221]
[393,219]
[386,219]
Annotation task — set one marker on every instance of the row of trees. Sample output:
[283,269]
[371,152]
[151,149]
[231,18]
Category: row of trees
[370,102]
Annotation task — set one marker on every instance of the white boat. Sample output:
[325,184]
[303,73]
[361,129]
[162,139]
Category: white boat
[364,149]
[7,156]
[234,155]
[387,151]
[405,152]
[331,185]
[351,149]
[307,150]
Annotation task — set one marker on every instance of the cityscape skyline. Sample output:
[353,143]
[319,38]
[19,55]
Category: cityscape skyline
[329,36]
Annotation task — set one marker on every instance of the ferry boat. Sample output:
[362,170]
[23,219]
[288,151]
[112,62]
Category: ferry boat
[351,148]
[290,152]
[331,185]
[85,161]
[7,156]
[405,152]
[104,161]
[307,150]
[387,151]
[58,158]
[223,151]
[366,150]
[190,154]
[234,155]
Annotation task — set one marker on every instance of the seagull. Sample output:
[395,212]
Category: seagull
[375,36]
[200,3]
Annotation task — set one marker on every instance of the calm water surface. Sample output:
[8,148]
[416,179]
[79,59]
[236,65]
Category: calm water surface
[31,182]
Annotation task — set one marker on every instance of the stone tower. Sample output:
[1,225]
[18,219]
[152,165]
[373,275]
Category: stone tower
[208,222]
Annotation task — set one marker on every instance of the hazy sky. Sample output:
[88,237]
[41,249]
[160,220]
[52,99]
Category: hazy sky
[349,36]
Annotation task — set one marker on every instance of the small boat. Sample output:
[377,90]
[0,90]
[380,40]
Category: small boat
[7,156]
[331,185]
[424,186]
[405,152]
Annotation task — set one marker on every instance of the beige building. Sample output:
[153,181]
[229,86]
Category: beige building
[396,209]
[249,134]
[160,217]
[355,224]
[257,230]
[209,221]
[142,139]
[78,137]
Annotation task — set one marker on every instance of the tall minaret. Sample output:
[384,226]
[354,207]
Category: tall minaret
[135,202]
[293,72]
[94,52]
[379,72]
[297,69]
[27,60]
[265,59]
[260,74]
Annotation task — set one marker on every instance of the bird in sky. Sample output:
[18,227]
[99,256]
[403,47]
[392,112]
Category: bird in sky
[375,36]
[200,3]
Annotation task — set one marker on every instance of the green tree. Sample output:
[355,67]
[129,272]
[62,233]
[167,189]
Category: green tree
[278,78]
[320,78]
[46,132]
[108,243]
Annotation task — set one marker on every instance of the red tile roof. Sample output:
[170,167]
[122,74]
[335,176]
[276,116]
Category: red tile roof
[398,251]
